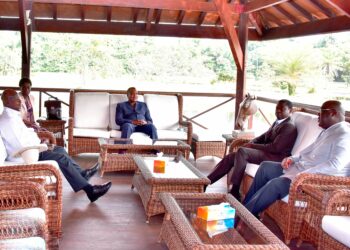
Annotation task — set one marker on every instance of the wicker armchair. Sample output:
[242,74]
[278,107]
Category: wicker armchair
[23,215]
[47,173]
[323,200]
[289,216]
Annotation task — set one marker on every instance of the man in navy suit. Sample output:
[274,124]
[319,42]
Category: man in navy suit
[133,116]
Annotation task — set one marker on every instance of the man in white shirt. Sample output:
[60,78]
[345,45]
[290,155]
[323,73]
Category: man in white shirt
[16,136]
[329,155]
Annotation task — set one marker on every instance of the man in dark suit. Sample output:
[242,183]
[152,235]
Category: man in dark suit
[275,144]
[133,116]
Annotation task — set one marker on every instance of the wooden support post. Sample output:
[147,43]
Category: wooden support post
[241,72]
[25,27]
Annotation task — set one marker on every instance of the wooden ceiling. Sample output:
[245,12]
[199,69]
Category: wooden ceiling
[267,19]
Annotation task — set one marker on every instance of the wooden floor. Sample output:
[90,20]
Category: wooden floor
[117,220]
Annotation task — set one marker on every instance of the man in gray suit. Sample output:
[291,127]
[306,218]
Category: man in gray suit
[274,145]
[133,116]
[327,155]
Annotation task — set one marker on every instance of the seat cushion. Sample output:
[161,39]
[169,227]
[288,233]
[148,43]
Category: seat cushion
[337,227]
[95,133]
[164,111]
[3,152]
[91,110]
[164,134]
[114,99]
[251,169]
[207,135]
[30,243]
[137,137]
[308,130]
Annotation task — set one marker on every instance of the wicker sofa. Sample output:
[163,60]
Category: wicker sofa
[92,116]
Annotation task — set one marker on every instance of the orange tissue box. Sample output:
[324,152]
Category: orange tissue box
[216,212]
[159,166]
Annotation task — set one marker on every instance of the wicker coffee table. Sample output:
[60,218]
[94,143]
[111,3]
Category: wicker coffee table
[117,154]
[179,176]
[179,230]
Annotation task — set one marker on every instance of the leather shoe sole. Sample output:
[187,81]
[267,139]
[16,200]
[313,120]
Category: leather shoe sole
[98,191]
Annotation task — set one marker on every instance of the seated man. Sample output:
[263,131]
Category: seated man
[274,144]
[329,155]
[16,135]
[133,116]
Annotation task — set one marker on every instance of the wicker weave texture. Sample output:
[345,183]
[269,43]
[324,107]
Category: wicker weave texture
[288,216]
[50,176]
[17,200]
[208,148]
[177,232]
[149,187]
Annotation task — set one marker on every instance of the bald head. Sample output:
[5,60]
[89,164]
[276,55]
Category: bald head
[331,113]
[10,99]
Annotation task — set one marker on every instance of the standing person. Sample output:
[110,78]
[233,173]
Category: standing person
[274,144]
[27,104]
[16,136]
[134,116]
[328,155]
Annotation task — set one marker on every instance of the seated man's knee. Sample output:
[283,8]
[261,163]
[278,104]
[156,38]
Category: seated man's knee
[280,185]
[127,126]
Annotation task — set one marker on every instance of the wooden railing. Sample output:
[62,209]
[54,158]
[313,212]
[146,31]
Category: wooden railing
[313,109]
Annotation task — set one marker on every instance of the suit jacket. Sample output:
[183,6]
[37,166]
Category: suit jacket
[125,113]
[278,140]
[329,154]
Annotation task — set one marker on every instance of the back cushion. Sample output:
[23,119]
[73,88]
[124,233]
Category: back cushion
[113,101]
[91,110]
[308,130]
[164,110]
[3,153]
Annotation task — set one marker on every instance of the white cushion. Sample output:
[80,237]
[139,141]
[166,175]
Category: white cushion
[337,227]
[30,243]
[136,135]
[3,152]
[251,169]
[164,110]
[34,213]
[171,134]
[113,101]
[206,135]
[285,199]
[91,110]
[95,133]
[308,130]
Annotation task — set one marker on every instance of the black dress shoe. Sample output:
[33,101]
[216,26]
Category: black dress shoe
[88,173]
[98,191]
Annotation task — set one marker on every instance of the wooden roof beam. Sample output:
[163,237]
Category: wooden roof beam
[229,27]
[158,14]
[134,14]
[320,6]
[186,5]
[54,11]
[341,5]
[256,5]
[305,13]
[181,16]
[256,22]
[150,14]
[286,14]
[109,14]
[336,24]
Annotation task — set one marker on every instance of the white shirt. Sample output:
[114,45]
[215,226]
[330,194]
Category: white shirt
[15,133]
[329,154]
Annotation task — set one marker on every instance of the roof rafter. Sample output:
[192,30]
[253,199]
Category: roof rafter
[189,5]
[256,5]
[324,26]
[342,5]
[25,28]
[226,18]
